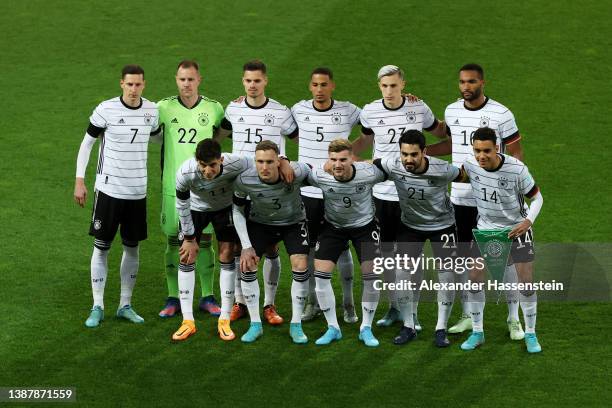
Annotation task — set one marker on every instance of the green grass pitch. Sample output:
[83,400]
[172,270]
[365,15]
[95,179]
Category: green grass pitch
[547,61]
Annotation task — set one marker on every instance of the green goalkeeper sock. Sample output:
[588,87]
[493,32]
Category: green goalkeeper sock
[172,261]
[205,267]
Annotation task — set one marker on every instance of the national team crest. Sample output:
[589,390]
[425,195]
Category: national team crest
[148,118]
[431,182]
[336,118]
[502,182]
[269,120]
[484,122]
[289,188]
[411,117]
[203,119]
[97,225]
[361,188]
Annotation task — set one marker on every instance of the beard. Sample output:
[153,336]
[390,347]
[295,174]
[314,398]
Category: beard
[475,95]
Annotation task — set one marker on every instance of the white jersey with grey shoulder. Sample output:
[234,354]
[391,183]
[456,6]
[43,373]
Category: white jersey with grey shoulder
[250,125]
[462,122]
[500,193]
[423,197]
[348,204]
[388,125]
[273,204]
[122,158]
[317,128]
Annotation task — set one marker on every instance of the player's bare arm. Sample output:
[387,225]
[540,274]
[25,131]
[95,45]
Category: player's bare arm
[363,142]
[286,171]
[515,149]
[442,148]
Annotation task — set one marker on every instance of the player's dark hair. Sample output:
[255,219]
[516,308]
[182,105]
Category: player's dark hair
[132,69]
[484,134]
[186,64]
[267,145]
[412,136]
[323,71]
[208,150]
[255,65]
[473,67]
[340,145]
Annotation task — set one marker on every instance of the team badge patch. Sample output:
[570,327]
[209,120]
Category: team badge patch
[502,182]
[269,120]
[484,121]
[203,119]
[97,225]
[494,248]
[148,118]
[361,188]
[411,117]
[336,118]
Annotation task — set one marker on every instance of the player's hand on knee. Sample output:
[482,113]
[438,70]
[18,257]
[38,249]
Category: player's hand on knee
[520,229]
[189,252]
[248,260]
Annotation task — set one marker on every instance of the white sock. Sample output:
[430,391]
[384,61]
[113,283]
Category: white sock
[299,291]
[404,298]
[271,274]
[417,278]
[445,299]
[369,299]
[477,304]
[128,271]
[99,271]
[512,296]
[226,286]
[529,305]
[237,283]
[464,294]
[312,294]
[389,276]
[345,267]
[325,295]
[186,284]
[250,289]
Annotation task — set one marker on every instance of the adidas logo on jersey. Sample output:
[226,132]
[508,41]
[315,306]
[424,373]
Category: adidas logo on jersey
[456,122]
[477,178]
[381,122]
[174,120]
[331,190]
[241,119]
[260,195]
[307,119]
[121,121]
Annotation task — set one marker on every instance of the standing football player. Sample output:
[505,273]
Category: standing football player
[321,120]
[251,120]
[124,126]
[276,214]
[475,110]
[185,120]
[427,214]
[383,121]
[349,216]
[499,185]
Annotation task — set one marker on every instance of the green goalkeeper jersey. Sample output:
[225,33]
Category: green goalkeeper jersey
[183,129]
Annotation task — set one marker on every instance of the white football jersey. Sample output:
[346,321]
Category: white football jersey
[388,125]
[122,159]
[318,128]
[251,125]
[499,193]
[462,122]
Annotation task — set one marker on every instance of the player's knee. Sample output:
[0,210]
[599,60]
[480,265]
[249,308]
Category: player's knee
[129,244]
[102,245]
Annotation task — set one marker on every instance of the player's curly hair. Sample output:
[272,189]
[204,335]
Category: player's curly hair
[208,150]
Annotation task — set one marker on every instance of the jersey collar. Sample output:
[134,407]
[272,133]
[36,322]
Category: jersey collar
[257,107]
[501,163]
[478,107]
[128,106]
[185,106]
[323,110]
[394,109]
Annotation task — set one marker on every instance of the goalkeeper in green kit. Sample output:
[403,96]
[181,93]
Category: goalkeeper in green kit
[185,119]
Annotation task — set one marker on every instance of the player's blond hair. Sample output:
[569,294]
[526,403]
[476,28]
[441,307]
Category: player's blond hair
[340,145]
